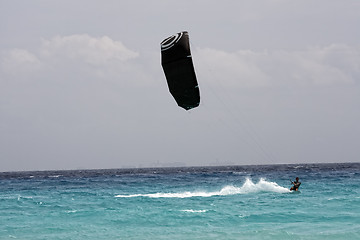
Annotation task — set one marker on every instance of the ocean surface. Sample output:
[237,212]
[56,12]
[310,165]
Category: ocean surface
[235,202]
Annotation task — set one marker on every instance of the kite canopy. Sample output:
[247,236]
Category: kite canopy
[179,70]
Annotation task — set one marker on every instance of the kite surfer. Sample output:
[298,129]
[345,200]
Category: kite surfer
[296,184]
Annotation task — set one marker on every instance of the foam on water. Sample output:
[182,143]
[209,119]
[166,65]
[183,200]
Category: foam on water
[248,187]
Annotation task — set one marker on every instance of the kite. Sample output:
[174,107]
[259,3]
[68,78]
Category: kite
[179,70]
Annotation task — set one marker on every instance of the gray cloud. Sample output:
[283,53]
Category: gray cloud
[328,65]
[95,51]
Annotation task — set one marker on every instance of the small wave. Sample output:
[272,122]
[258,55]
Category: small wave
[248,187]
[71,211]
[55,176]
[23,197]
[193,211]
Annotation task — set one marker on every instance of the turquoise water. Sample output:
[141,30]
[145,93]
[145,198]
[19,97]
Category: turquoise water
[237,202]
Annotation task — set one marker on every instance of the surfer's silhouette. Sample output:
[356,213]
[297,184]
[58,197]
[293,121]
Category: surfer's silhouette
[296,184]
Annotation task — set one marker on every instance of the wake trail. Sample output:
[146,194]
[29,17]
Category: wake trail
[248,187]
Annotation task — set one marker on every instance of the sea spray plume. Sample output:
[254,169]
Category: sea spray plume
[250,187]
[263,186]
[246,188]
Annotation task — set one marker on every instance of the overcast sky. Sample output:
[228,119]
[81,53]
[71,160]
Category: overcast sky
[81,85]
